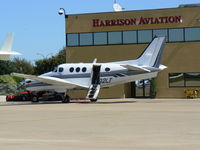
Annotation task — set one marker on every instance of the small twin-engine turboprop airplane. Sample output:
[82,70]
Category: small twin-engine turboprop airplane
[93,76]
[5,50]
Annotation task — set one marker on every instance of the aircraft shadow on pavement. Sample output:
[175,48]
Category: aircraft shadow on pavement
[108,102]
[118,102]
[72,102]
[28,103]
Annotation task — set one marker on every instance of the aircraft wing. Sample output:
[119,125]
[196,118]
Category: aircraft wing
[9,53]
[49,80]
[135,67]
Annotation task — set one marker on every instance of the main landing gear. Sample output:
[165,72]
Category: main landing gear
[63,98]
[93,100]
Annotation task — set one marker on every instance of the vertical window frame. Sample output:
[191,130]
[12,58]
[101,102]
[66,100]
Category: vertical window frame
[113,43]
[173,41]
[67,40]
[91,40]
[144,31]
[191,39]
[166,36]
[123,37]
[106,41]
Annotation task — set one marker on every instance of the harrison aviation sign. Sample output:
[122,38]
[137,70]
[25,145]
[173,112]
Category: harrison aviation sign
[135,21]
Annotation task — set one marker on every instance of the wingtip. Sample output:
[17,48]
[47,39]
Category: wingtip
[162,67]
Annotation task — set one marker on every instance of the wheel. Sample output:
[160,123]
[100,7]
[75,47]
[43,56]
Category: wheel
[24,98]
[34,99]
[8,99]
[59,97]
[93,100]
[62,98]
[66,99]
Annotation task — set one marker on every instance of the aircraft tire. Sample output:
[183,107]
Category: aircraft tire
[34,99]
[93,100]
[62,98]
[24,98]
[59,97]
[66,99]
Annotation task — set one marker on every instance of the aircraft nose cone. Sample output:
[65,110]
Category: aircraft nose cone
[47,74]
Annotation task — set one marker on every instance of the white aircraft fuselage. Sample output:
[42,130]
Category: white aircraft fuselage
[111,74]
[93,76]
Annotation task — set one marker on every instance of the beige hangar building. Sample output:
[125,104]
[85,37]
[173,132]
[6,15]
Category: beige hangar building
[117,36]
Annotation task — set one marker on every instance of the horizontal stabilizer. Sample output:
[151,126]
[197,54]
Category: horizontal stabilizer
[135,67]
[162,67]
[9,53]
[49,80]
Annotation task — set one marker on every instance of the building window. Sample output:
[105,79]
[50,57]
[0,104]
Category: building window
[192,79]
[161,32]
[100,38]
[184,79]
[176,80]
[176,35]
[86,39]
[132,37]
[144,36]
[192,34]
[115,37]
[129,37]
[72,39]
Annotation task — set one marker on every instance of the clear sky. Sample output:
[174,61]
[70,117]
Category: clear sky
[39,30]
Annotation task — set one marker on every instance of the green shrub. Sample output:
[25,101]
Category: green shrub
[7,79]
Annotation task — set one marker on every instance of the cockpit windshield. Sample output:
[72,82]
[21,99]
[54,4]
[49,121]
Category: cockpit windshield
[55,69]
[60,69]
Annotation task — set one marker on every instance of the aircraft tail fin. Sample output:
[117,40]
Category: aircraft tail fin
[7,45]
[6,49]
[151,56]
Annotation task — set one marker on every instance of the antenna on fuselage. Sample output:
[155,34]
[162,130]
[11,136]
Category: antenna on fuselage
[94,61]
[117,7]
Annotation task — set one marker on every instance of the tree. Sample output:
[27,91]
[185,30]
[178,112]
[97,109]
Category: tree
[6,67]
[22,66]
[153,88]
[16,65]
[48,64]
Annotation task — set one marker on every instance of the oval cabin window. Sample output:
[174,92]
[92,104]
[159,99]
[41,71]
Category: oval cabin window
[77,69]
[84,69]
[71,69]
[107,69]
